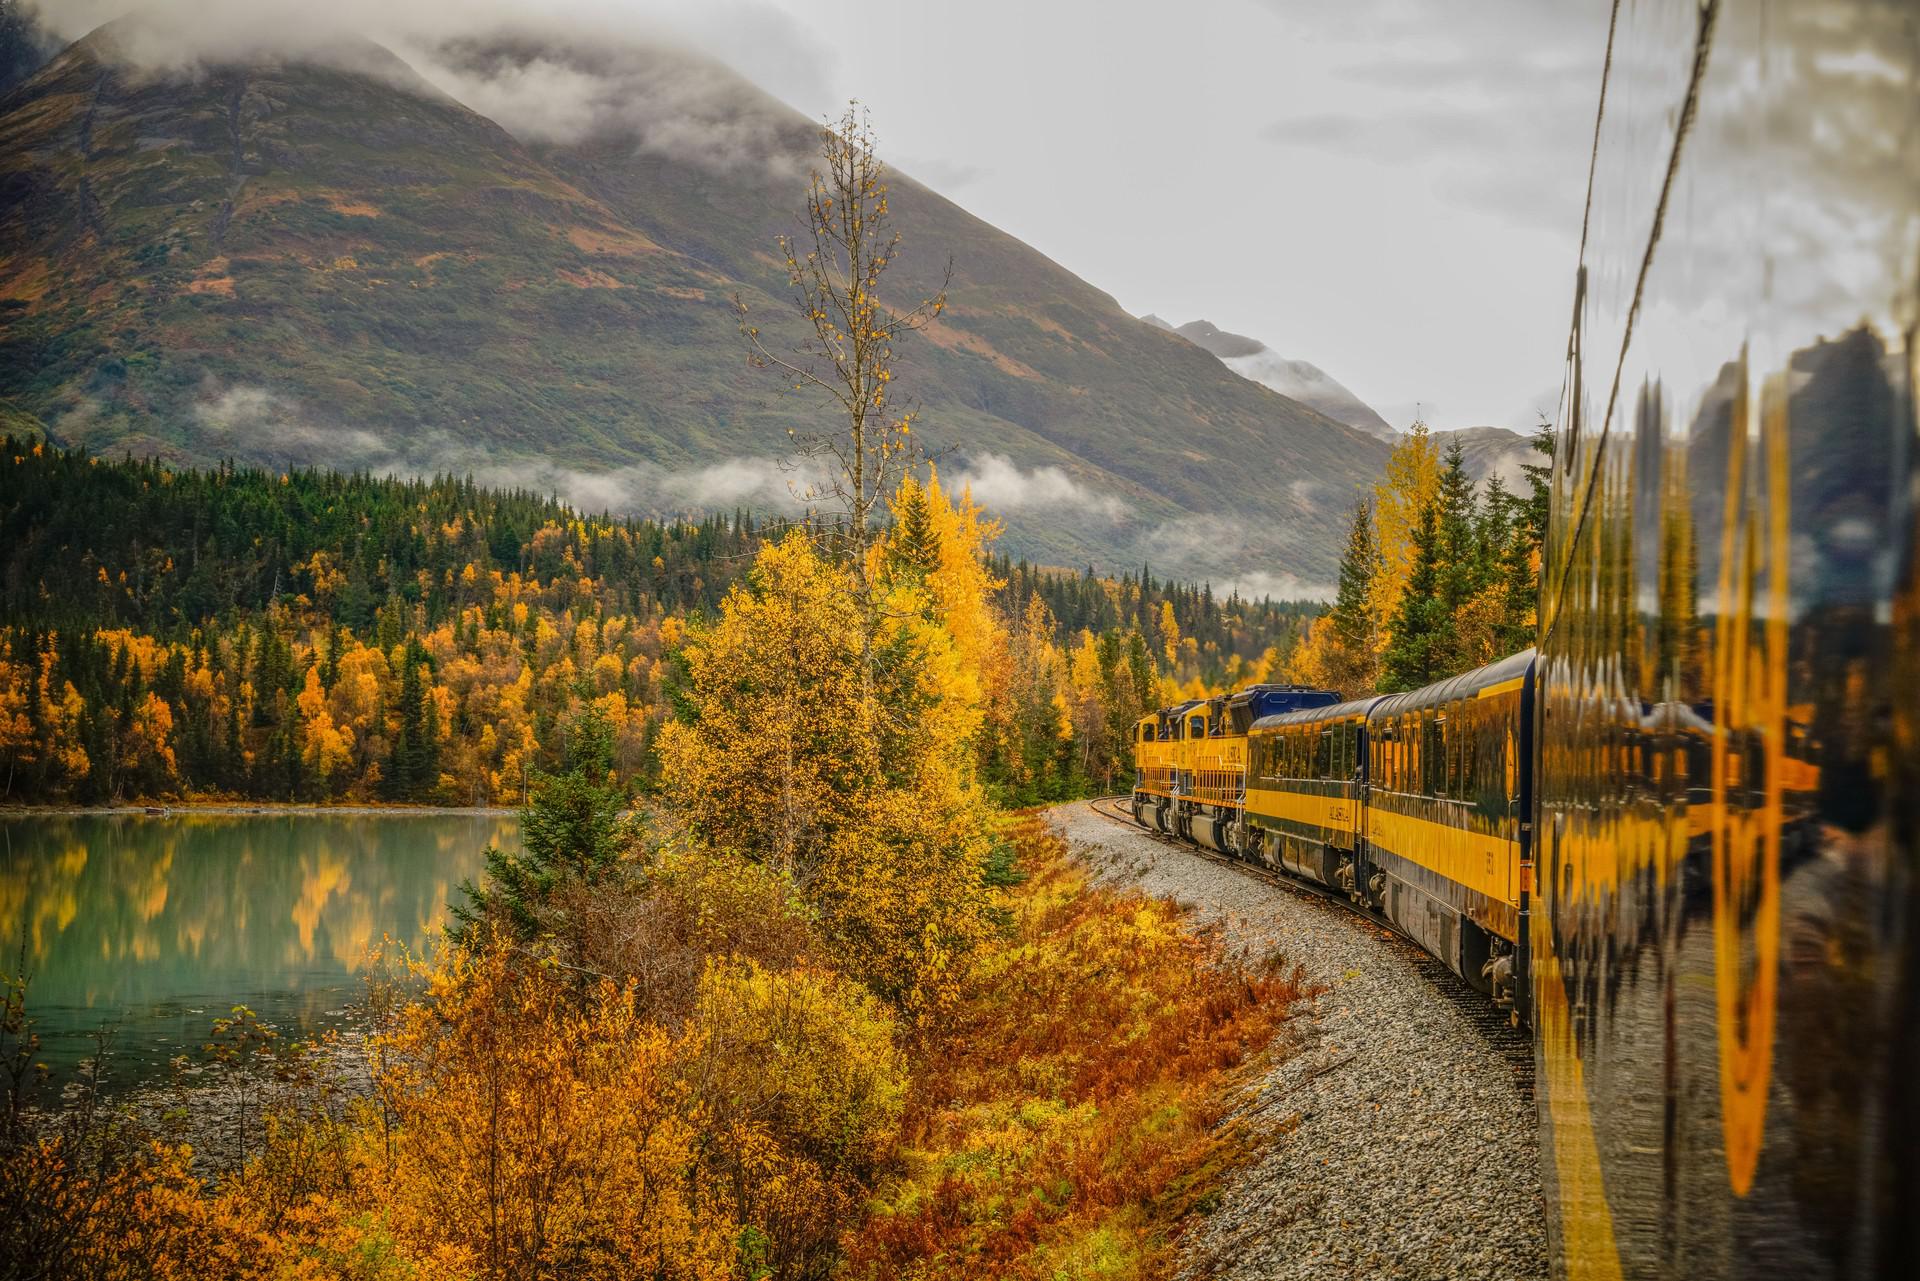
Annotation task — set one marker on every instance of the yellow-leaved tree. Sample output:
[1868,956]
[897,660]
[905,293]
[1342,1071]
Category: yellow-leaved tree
[1412,481]
[823,740]
[540,1135]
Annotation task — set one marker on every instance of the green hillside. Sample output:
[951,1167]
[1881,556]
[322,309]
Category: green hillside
[300,263]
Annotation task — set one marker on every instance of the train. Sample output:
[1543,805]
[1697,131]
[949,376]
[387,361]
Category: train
[1416,808]
[1679,839]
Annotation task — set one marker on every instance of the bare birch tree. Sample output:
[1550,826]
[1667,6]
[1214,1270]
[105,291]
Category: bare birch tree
[847,353]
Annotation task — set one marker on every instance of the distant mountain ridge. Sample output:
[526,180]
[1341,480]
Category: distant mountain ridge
[1295,379]
[313,262]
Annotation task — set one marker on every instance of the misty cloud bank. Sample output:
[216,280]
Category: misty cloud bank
[645,74]
[998,484]
[264,421]
[258,420]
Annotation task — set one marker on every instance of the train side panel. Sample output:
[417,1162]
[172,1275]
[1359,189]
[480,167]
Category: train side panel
[1723,942]
[1305,789]
[1445,820]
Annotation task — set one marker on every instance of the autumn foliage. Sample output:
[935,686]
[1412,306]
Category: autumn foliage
[1068,1118]
[1439,575]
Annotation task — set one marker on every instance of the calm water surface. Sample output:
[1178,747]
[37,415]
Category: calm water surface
[156,926]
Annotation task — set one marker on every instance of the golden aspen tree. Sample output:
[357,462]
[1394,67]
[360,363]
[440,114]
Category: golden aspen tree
[1412,481]
[327,749]
[16,729]
[794,751]
[531,1133]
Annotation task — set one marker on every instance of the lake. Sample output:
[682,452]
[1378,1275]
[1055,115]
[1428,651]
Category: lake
[155,926]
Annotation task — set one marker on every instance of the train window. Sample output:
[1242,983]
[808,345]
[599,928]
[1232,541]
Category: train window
[1410,754]
[1323,754]
[1477,749]
[1433,753]
[1456,732]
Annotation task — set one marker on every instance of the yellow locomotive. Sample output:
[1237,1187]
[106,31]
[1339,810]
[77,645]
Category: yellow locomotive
[1190,762]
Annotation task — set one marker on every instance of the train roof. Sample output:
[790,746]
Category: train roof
[1357,707]
[1514,667]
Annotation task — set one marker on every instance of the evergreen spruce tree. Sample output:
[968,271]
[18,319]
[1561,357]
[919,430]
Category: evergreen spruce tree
[569,831]
[1355,660]
[414,765]
[1495,531]
[915,547]
[392,622]
[1520,565]
[1420,623]
[1458,551]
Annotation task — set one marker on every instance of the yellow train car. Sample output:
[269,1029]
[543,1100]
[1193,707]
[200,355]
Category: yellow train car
[1305,793]
[1447,850]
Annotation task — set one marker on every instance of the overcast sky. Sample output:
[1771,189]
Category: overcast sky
[1390,189]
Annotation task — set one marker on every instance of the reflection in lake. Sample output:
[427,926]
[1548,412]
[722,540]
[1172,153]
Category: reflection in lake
[158,925]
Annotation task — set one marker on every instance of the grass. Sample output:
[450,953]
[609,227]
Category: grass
[1071,1117]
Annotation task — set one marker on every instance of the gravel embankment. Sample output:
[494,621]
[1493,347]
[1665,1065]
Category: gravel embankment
[1400,1140]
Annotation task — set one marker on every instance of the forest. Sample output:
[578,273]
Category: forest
[820,1009]
[1439,575]
[319,636]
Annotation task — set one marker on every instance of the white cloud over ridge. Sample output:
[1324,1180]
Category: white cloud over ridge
[1000,485]
[1196,548]
[268,422]
[651,72]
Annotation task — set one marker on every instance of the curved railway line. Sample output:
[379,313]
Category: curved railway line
[1491,1022]
[1394,1132]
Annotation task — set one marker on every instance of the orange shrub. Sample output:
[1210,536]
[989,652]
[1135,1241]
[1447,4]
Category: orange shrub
[1066,1119]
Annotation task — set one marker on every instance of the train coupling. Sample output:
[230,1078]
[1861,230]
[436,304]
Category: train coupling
[1499,974]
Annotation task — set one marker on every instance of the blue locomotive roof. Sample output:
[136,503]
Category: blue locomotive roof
[1355,709]
[1258,701]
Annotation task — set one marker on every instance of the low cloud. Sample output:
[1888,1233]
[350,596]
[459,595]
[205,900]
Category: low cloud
[646,73]
[1280,586]
[240,416]
[999,485]
[1216,549]
[265,422]
[659,99]
[647,489]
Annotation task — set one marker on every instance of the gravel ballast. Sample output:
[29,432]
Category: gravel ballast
[1399,1140]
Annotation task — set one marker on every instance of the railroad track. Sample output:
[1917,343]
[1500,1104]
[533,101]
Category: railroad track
[1487,1019]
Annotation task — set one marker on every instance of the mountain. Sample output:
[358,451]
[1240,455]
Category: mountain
[1494,451]
[326,260]
[25,45]
[1294,379]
